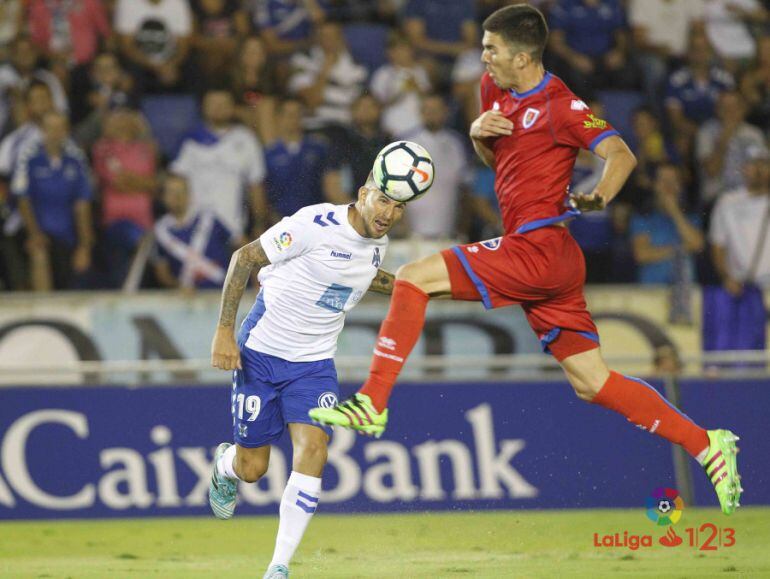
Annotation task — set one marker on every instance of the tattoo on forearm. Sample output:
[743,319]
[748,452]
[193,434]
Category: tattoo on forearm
[238,274]
[383,282]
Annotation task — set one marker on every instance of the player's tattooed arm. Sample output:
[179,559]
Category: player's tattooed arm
[383,282]
[242,263]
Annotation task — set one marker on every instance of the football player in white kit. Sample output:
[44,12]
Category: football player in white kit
[313,267]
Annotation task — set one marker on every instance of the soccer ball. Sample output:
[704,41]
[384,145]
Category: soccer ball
[403,171]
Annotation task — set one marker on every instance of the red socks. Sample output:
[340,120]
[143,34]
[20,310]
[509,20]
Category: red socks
[399,333]
[641,404]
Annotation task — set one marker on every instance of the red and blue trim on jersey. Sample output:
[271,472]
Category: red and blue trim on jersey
[599,138]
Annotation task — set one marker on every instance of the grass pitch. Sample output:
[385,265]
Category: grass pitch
[492,544]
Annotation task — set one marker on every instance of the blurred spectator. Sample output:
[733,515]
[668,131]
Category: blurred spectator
[220,25]
[726,24]
[658,235]
[328,80]
[734,315]
[693,90]
[739,242]
[650,145]
[755,85]
[379,11]
[254,84]
[11,23]
[17,75]
[398,86]
[660,29]
[435,216]
[68,32]
[722,145]
[466,80]
[193,247]
[300,169]
[107,87]
[363,140]
[440,32]
[37,103]
[155,40]
[590,42]
[223,161]
[54,190]
[124,161]
[286,26]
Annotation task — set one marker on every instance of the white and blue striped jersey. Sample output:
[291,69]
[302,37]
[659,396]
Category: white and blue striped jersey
[320,268]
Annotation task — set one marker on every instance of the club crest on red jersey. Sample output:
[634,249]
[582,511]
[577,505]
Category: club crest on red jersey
[529,118]
[492,244]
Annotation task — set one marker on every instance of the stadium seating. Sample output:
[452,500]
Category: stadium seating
[367,43]
[619,106]
[170,118]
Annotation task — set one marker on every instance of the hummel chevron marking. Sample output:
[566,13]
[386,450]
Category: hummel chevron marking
[329,217]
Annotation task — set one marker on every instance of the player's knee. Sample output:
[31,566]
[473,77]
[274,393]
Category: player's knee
[410,272]
[584,391]
[312,452]
[251,469]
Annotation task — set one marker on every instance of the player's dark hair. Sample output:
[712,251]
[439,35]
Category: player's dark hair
[521,26]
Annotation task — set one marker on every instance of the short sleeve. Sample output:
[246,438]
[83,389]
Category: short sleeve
[181,24]
[256,171]
[183,164]
[577,126]
[718,226]
[125,19]
[289,238]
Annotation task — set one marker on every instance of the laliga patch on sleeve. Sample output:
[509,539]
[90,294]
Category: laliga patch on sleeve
[282,241]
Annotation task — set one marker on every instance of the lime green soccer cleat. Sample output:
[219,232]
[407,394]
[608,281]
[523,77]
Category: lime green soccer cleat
[222,491]
[276,572]
[356,413]
[721,466]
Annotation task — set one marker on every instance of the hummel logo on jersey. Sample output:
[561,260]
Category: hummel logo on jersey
[341,254]
[578,105]
[387,343]
[376,257]
[530,116]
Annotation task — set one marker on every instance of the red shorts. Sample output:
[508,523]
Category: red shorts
[543,270]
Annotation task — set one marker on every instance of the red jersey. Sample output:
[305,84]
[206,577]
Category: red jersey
[534,165]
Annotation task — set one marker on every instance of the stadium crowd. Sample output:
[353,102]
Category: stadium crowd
[182,128]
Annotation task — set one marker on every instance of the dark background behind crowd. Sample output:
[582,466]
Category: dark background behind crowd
[169,132]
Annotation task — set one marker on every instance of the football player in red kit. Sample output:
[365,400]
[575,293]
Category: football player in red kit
[529,131]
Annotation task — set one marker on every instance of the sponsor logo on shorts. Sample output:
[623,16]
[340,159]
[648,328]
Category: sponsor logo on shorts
[327,400]
[282,241]
[492,244]
[243,430]
[341,254]
[530,116]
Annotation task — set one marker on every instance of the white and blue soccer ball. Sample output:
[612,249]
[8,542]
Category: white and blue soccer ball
[403,171]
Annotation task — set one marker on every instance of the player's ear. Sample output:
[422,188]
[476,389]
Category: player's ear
[362,192]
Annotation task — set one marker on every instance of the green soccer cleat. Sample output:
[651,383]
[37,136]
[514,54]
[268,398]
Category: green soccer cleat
[222,490]
[356,413]
[276,572]
[721,466]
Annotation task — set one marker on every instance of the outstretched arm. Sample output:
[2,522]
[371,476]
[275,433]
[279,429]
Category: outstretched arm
[383,282]
[620,161]
[224,350]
